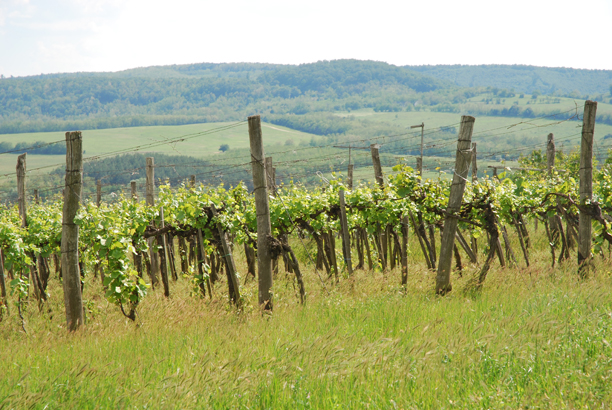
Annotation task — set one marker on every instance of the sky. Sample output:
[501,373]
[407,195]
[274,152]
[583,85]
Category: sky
[43,36]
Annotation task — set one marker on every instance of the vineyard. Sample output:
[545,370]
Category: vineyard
[318,237]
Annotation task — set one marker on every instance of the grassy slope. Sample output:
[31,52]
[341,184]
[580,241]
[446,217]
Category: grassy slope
[534,338]
[97,142]
[493,135]
[487,128]
[523,78]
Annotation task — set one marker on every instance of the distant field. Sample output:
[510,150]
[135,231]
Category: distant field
[500,133]
[494,135]
[96,142]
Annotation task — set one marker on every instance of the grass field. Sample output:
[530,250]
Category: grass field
[96,142]
[499,134]
[495,136]
[534,338]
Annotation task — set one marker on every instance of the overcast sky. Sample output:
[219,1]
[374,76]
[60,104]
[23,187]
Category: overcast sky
[38,36]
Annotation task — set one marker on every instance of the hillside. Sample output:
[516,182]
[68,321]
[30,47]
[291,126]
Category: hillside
[199,93]
[524,79]
[202,93]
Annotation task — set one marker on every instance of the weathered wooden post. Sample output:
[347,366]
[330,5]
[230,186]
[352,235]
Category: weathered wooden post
[462,164]
[264,260]
[378,174]
[150,201]
[346,244]
[150,182]
[550,153]
[192,181]
[21,188]
[134,191]
[36,198]
[73,299]
[380,236]
[473,240]
[349,181]
[586,188]
[420,159]
[270,175]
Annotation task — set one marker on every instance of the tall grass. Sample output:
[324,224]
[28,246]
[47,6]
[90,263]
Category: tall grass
[532,338]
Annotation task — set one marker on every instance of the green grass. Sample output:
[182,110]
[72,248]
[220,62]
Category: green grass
[533,338]
[97,142]
[493,133]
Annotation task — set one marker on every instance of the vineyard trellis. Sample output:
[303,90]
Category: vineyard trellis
[202,226]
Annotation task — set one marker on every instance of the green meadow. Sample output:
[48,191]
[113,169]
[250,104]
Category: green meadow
[96,142]
[533,338]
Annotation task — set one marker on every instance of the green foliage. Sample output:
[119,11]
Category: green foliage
[121,169]
[203,93]
[224,147]
[114,232]
[19,286]
[35,148]
[525,79]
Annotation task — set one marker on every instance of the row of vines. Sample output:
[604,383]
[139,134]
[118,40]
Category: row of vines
[120,242]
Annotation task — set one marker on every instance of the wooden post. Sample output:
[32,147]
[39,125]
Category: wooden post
[73,299]
[346,241]
[550,153]
[192,181]
[161,251]
[420,159]
[264,260]
[586,187]
[21,188]
[349,181]
[474,164]
[36,199]
[462,164]
[150,183]
[270,176]
[378,174]
[232,278]
[150,201]
[98,193]
[134,191]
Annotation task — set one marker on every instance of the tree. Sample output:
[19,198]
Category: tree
[223,147]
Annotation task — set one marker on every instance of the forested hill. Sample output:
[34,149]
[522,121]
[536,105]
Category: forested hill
[198,93]
[203,93]
[523,78]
